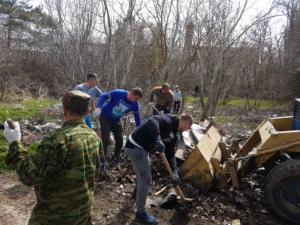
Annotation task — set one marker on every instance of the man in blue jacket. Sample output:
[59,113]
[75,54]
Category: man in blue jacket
[157,134]
[114,105]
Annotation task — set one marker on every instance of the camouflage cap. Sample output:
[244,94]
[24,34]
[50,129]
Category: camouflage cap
[77,102]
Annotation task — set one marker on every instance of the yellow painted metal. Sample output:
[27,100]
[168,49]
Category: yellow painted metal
[282,123]
[271,136]
[198,167]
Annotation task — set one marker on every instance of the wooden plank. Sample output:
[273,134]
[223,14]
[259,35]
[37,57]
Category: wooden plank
[160,191]
[234,180]
[209,143]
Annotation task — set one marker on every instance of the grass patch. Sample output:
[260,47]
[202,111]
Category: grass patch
[260,104]
[239,103]
[28,109]
[191,100]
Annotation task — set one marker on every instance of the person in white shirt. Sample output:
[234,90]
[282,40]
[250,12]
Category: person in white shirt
[177,99]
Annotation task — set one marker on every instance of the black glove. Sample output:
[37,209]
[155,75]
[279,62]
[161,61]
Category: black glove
[159,146]
[177,180]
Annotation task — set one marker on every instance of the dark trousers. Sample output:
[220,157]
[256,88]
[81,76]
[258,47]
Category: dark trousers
[116,128]
[176,106]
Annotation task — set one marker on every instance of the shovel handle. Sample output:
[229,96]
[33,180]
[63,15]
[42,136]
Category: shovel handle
[154,107]
[167,165]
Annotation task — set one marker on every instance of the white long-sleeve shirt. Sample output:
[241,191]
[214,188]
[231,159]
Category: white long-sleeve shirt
[177,96]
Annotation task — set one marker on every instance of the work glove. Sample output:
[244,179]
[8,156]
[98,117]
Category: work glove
[159,146]
[10,134]
[96,113]
[177,180]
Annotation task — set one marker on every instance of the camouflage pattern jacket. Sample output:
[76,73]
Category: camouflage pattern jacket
[62,171]
[160,99]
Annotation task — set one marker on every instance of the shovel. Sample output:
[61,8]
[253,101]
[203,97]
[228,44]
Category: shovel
[156,109]
[177,188]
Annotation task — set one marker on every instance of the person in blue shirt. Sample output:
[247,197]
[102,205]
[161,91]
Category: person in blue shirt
[114,105]
[90,87]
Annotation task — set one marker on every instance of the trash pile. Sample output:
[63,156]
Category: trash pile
[35,131]
[212,203]
[216,206]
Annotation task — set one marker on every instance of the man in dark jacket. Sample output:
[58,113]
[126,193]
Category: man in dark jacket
[157,134]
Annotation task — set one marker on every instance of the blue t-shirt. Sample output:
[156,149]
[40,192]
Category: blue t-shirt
[94,92]
[115,104]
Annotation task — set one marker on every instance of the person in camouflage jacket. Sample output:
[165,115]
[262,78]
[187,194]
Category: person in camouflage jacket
[162,98]
[63,169]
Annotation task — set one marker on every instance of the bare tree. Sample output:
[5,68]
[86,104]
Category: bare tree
[219,32]
[292,44]
[208,43]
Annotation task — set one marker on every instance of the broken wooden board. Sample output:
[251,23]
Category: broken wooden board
[198,168]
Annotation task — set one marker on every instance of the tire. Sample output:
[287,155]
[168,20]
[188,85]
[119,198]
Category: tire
[282,190]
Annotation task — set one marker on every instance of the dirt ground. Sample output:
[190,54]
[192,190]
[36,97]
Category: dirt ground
[110,207]
[114,205]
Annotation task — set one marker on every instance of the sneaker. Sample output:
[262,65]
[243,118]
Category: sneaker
[146,218]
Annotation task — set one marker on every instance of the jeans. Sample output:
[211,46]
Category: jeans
[116,128]
[141,166]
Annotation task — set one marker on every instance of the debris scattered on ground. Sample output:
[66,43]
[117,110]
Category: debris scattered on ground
[114,202]
[32,132]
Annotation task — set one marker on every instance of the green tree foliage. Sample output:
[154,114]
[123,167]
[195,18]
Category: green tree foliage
[22,22]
